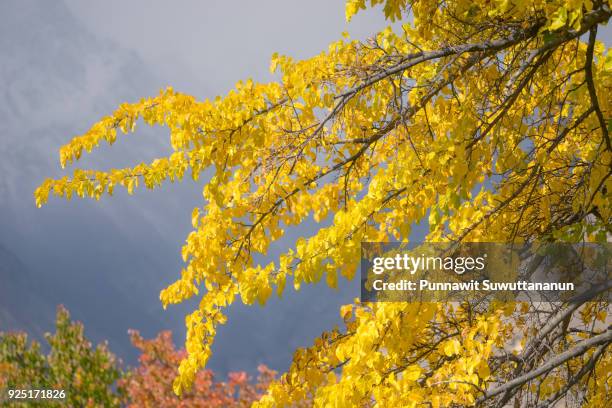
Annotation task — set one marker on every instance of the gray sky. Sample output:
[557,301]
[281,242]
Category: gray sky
[204,46]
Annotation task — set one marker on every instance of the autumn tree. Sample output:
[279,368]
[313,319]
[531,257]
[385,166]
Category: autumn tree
[94,377]
[489,120]
[85,374]
[150,383]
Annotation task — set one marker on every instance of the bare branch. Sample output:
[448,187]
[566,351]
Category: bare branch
[580,348]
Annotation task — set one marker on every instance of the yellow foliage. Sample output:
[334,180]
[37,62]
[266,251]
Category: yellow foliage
[477,117]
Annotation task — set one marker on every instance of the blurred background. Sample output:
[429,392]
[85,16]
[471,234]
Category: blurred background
[66,63]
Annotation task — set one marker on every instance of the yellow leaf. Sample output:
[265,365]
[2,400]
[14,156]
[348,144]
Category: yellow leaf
[451,347]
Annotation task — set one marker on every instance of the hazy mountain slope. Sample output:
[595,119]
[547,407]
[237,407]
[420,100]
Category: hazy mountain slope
[55,80]
[106,261]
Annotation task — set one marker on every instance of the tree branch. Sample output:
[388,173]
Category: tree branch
[583,371]
[580,348]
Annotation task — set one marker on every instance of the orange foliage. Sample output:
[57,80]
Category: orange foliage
[150,384]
